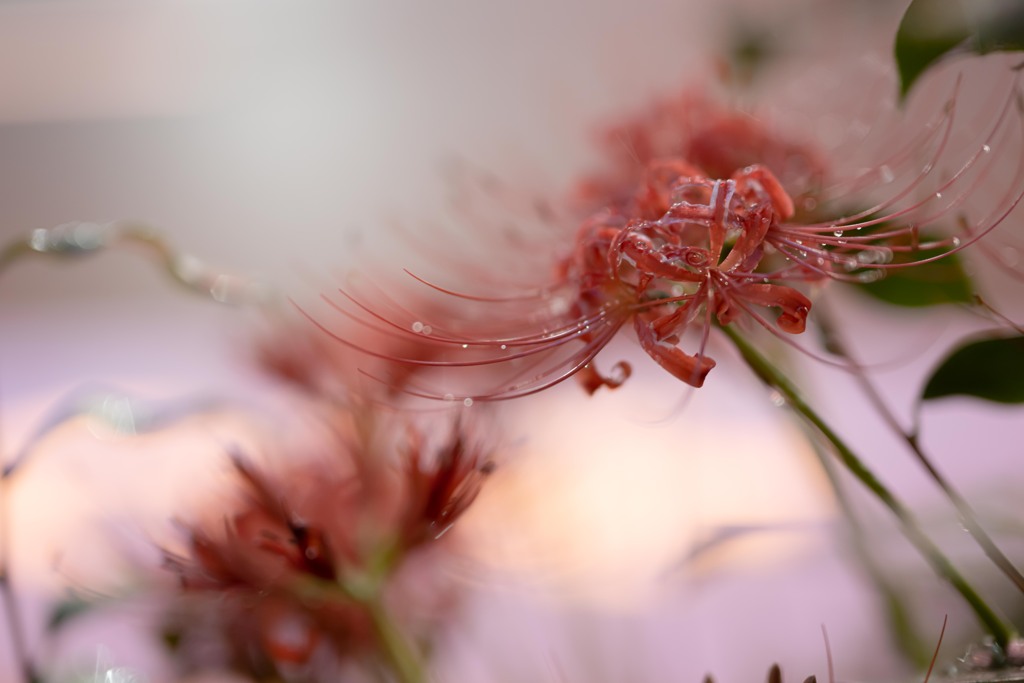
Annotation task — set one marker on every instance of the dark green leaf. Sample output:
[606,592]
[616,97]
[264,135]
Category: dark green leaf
[66,610]
[171,639]
[750,49]
[932,29]
[991,368]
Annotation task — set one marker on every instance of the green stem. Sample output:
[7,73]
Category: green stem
[774,378]
[901,625]
[963,508]
[397,654]
[404,660]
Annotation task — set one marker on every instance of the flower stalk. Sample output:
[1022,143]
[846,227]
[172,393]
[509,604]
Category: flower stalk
[366,589]
[964,510]
[776,379]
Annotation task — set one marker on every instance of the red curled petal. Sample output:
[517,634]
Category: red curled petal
[795,306]
[592,380]
[759,177]
[683,366]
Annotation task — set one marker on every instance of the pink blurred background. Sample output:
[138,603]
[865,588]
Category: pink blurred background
[280,141]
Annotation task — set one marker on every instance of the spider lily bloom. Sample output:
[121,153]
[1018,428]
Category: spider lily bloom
[687,239]
[667,271]
[681,250]
[281,582]
[240,583]
[441,490]
[712,138]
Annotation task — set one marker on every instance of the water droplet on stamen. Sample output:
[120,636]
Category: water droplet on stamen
[838,233]
[869,276]
[777,399]
[938,195]
[875,255]
[503,347]
[955,241]
[465,346]
[417,326]
[986,148]
[467,402]
[849,263]
[449,397]
[427,329]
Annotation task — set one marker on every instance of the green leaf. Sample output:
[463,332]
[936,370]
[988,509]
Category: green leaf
[932,29]
[65,611]
[990,368]
[926,284]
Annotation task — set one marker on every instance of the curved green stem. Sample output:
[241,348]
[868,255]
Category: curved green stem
[773,377]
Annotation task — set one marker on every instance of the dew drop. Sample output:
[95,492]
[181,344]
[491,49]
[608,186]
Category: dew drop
[848,263]
[986,148]
[467,402]
[876,255]
[956,241]
[427,329]
[40,239]
[465,346]
[449,397]
[503,347]
[870,276]
[417,327]
[938,195]
[838,233]
[559,305]
[777,399]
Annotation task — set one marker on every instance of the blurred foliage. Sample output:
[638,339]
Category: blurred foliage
[933,29]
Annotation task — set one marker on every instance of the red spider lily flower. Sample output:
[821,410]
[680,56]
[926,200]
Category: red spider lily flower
[712,138]
[704,231]
[440,491]
[272,584]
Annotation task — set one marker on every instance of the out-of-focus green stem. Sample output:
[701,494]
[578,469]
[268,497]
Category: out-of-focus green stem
[401,656]
[365,588]
[963,508]
[775,378]
[899,620]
